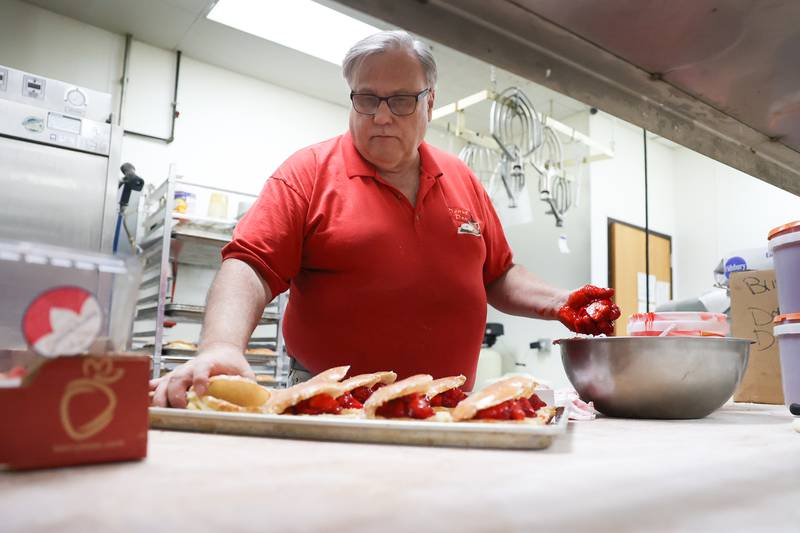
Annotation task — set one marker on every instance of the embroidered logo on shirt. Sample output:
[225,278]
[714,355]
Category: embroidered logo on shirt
[464,221]
[472,227]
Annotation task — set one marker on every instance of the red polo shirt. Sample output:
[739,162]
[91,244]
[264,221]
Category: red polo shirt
[376,283]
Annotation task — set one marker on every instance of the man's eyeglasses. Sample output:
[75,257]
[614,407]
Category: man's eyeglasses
[401,105]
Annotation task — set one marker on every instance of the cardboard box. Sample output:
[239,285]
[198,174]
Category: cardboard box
[754,303]
[76,410]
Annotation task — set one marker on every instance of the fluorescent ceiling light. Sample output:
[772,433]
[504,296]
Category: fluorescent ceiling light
[303,25]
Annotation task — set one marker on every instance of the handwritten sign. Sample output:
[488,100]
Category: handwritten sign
[754,303]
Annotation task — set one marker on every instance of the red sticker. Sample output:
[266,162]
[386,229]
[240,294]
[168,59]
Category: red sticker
[62,321]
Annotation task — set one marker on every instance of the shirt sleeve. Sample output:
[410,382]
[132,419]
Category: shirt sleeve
[499,257]
[270,236]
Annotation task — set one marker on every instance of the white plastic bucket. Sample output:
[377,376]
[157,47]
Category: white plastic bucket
[787,331]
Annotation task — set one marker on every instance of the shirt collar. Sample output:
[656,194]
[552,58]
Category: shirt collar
[357,166]
[428,162]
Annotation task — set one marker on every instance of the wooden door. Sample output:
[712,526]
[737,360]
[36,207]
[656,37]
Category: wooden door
[627,270]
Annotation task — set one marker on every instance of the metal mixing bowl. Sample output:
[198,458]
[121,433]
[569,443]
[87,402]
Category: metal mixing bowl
[655,377]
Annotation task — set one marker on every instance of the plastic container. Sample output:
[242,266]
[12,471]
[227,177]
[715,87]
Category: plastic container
[218,205]
[185,203]
[784,243]
[678,324]
[787,331]
[490,361]
[741,260]
[61,278]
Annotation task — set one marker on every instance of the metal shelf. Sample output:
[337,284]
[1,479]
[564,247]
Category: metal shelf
[196,241]
[263,362]
[176,352]
[198,247]
[258,340]
[148,283]
[147,299]
[189,246]
[193,314]
[264,376]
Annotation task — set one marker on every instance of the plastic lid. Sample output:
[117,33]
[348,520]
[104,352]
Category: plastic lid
[792,328]
[780,319]
[678,316]
[786,228]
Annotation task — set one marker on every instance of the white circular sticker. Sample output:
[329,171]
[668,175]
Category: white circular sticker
[62,321]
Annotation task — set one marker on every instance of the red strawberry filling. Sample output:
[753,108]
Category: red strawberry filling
[319,404]
[448,398]
[347,401]
[512,409]
[410,406]
[362,394]
[536,403]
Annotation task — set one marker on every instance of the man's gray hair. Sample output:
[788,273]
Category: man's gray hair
[383,42]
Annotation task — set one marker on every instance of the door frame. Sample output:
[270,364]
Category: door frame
[609,222]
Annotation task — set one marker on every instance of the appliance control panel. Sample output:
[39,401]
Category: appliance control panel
[52,112]
[53,95]
[33,87]
[33,123]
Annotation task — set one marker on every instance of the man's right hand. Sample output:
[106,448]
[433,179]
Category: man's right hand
[170,390]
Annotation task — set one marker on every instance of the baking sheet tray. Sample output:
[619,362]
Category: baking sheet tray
[264,375]
[178,351]
[267,362]
[336,428]
[193,313]
[191,353]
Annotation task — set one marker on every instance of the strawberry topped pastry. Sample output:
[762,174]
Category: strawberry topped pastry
[232,394]
[446,393]
[332,374]
[404,399]
[510,399]
[358,389]
[307,398]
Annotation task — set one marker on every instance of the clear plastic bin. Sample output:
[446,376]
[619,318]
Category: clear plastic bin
[29,270]
[694,324]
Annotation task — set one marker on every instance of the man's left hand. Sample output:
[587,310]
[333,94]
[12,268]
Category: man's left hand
[589,310]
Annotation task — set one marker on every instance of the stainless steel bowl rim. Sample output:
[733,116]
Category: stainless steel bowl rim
[669,338]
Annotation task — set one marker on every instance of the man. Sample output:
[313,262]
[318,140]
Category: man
[391,247]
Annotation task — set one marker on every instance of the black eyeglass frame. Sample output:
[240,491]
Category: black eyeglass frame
[388,99]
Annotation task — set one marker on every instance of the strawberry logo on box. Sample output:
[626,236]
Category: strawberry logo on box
[62,321]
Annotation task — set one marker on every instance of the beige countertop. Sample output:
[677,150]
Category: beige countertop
[738,469]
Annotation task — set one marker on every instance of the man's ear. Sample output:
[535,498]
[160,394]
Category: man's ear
[431,98]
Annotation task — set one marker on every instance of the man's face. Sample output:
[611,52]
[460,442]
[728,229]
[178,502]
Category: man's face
[388,141]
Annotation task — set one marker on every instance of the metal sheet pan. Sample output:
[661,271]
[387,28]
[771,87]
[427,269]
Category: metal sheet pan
[192,353]
[265,375]
[338,428]
[194,313]
[178,351]
[264,363]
